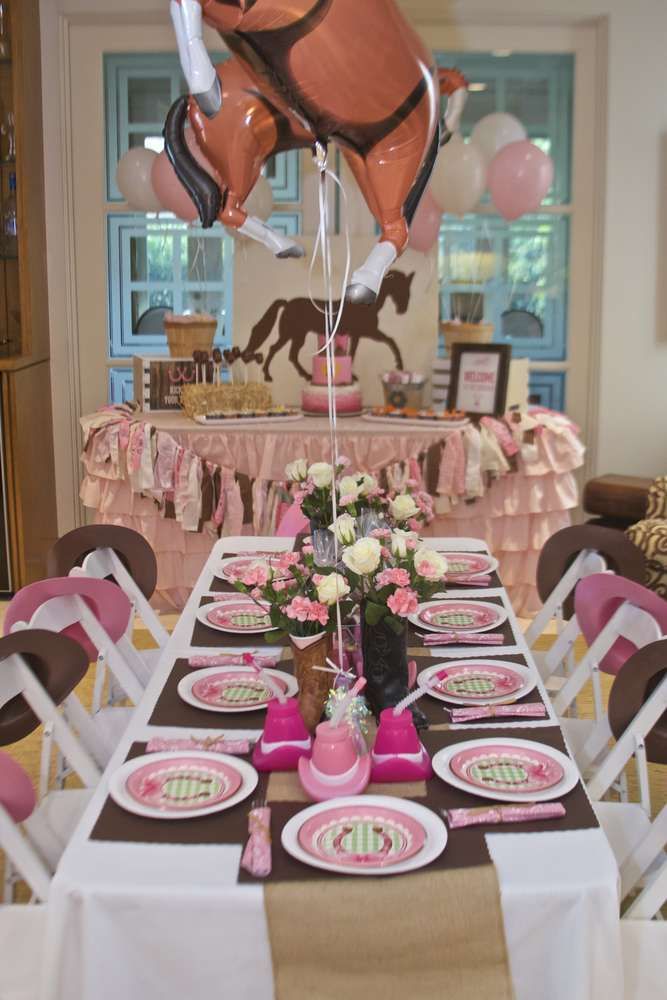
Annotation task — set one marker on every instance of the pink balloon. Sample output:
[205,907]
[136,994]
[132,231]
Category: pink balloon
[425,225]
[169,190]
[520,175]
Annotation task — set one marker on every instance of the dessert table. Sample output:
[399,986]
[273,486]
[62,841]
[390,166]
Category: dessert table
[181,484]
[155,910]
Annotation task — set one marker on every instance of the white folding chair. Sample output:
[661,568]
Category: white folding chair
[33,836]
[586,563]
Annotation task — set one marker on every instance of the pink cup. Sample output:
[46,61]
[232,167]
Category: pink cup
[334,751]
[398,753]
[285,738]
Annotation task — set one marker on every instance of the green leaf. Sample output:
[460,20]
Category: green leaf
[397,625]
[374,613]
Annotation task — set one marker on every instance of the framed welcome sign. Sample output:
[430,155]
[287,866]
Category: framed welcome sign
[478,382]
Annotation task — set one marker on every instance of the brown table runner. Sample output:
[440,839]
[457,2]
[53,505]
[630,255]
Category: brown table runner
[434,710]
[171,710]
[202,635]
[509,638]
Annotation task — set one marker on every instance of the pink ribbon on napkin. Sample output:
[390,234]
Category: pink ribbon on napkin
[256,857]
[533,710]
[233,660]
[464,638]
[504,814]
[212,744]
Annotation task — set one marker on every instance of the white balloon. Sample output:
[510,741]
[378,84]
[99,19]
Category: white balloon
[459,176]
[133,177]
[260,200]
[494,131]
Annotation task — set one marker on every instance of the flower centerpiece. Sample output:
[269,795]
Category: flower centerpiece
[390,573]
[302,605]
[357,493]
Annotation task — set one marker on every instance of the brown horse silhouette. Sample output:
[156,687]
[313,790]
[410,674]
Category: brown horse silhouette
[301,317]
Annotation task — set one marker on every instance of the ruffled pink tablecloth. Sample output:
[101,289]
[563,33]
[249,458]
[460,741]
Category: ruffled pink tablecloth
[515,512]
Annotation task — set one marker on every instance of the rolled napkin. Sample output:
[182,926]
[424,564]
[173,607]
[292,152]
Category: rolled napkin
[463,638]
[533,710]
[256,857]
[233,660]
[504,814]
[213,744]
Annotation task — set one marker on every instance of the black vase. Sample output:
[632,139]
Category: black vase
[386,668]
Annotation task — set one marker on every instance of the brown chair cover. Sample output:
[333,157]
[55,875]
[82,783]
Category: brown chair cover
[634,683]
[59,663]
[131,548]
[562,549]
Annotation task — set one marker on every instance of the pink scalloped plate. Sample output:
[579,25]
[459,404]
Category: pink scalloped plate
[183,783]
[478,681]
[246,616]
[232,570]
[461,616]
[501,768]
[234,690]
[362,836]
[467,564]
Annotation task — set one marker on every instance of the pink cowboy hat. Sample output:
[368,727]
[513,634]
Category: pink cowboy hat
[596,599]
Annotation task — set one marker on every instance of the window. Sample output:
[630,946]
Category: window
[158,264]
[515,275]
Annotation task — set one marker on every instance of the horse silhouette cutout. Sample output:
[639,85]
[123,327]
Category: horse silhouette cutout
[301,316]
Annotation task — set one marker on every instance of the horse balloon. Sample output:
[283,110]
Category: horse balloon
[304,73]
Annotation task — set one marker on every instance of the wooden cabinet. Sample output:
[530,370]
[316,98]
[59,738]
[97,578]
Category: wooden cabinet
[28,525]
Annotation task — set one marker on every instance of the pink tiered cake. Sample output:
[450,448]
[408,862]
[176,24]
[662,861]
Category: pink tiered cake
[315,398]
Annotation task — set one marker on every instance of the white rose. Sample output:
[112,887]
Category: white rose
[297,470]
[403,507]
[321,473]
[363,557]
[399,540]
[333,587]
[430,564]
[344,528]
[367,484]
[348,487]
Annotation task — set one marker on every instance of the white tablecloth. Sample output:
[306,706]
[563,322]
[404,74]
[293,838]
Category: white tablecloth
[163,922]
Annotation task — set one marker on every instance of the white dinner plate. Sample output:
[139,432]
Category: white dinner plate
[186,684]
[529,681]
[204,610]
[433,826]
[570,777]
[121,796]
[500,615]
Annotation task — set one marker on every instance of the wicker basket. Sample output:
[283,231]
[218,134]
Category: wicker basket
[186,334]
[197,400]
[467,333]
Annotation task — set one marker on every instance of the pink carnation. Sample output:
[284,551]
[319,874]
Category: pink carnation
[287,559]
[376,492]
[413,524]
[279,585]
[403,602]
[385,553]
[381,533]
[411,544]
[344,462]
[302,609]
[398,577]
[347,500]
[307,550]
[256,593]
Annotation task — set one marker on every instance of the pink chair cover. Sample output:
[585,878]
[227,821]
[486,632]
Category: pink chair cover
[106,600]
[16,792]
[292,523]
[596,599]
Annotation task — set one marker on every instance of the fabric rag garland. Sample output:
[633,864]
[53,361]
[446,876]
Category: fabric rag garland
[196,492]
